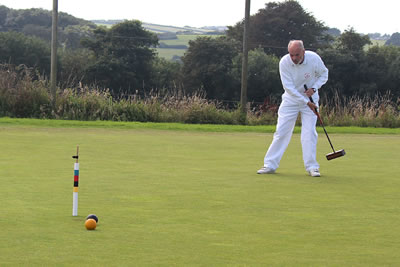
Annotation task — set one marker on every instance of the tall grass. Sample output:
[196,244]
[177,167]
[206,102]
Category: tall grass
[21,95]
[26,95]
[362,111]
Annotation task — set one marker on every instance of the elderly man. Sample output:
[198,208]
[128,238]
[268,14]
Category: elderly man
[297,69]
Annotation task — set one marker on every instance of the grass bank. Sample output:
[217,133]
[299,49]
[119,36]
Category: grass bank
[5,121]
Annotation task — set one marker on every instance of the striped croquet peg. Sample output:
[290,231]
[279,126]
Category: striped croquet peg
[76,184]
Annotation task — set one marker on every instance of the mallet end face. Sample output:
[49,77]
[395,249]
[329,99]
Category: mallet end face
[335,154]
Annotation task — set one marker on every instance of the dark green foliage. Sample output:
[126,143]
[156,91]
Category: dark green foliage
[353,70]
[3,16]
[382,68]
[333,32]
[18,49]
[351,42]
[276,24]
[71,35]
[264,83]
[165,74]
[394,39]
[122,57]
[72,66]
[22,96]
[121,61]
[207,65]
[38,22]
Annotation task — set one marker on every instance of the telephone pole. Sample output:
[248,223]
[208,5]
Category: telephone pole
[243,93]
[53,73]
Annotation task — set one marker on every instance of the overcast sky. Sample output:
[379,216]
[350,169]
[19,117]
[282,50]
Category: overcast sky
[368,16]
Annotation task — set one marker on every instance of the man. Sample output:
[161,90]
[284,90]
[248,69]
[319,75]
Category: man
[297,69]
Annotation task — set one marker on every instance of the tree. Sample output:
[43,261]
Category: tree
[71,36]
[278,23]
[382,69]
[123,56]
[73,65]
[350,41]
[346,63]
[344,74]
[37,22]
[3,16]
[394,39]
[355,69]
[333,32]
[207,65]
[166,74]
[263,76]
[18,49]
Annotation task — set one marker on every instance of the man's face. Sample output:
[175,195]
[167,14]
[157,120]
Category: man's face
[296,53]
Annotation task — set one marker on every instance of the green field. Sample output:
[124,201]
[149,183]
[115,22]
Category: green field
[375,43]
[188,195]
[173,29]
[183,39]
[169,53]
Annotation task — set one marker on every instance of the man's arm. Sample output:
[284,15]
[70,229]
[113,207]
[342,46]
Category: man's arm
[321,74]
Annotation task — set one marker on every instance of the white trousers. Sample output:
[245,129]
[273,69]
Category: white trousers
[287,116]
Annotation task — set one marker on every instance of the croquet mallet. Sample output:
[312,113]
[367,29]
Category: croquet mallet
[334,154]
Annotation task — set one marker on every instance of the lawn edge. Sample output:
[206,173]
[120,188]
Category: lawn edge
[24,122]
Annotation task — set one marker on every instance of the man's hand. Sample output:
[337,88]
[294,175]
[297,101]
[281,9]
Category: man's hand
[309,92]
[313,107]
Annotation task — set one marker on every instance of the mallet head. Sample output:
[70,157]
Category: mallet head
[335,154]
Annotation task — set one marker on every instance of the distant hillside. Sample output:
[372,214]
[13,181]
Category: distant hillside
[156,28]
[37,22]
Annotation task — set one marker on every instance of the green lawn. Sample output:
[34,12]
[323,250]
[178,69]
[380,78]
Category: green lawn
[192,197]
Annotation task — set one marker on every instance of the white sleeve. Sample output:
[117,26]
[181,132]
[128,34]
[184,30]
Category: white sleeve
[287,82]
[321,73]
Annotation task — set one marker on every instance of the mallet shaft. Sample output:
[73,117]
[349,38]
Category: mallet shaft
[320,120]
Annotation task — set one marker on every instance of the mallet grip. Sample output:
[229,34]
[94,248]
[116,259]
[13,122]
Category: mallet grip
[305,88]
[312,101]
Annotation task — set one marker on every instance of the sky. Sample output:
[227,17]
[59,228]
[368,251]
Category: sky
[365,16]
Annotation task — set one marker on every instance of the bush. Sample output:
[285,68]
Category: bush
[21,95]
[379,111]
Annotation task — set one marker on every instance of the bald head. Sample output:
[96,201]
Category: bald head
[296,51]
[296,43]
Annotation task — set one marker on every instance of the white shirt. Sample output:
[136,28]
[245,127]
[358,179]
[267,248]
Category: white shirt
[312,72]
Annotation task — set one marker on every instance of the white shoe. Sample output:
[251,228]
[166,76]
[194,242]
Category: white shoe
[314,173]
[265,170]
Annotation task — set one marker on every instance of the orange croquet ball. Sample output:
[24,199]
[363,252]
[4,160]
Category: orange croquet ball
[90,224]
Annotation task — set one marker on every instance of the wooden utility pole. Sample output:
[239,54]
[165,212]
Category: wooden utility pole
[243,93]
[53,73]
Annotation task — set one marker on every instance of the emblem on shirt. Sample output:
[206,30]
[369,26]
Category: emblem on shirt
[307,75]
